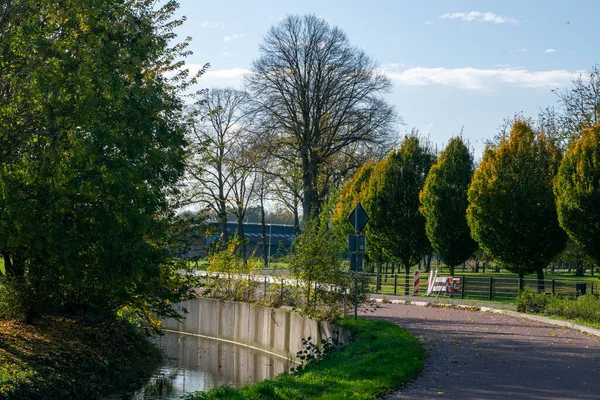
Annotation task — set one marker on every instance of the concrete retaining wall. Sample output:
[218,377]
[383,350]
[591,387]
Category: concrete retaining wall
[270,329]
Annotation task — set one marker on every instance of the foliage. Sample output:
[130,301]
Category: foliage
[577,190]
[530,301]
[512,211]
[354,191]
[319,99]
[351,193]
[317,262]
[580,104]
[91,146]
[585,308]
[444,204]
[312,353]
[382,357]
[396,225]
[228,287]
[63,358]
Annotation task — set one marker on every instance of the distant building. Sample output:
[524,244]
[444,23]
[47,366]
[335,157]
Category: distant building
[280,238]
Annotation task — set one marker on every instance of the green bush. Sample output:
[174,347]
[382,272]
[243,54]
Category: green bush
[586,308]
[529,301]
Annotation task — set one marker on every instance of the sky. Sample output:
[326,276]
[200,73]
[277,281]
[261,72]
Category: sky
[453,64]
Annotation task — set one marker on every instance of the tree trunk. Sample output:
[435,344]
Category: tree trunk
[540,278]
[223,219]
[263,226]
[428,263]
[7,262]
[296,222]
[241,237]
[14,266]
[578,268]
[521,275]
[406,279]
[451,267]
[310,203]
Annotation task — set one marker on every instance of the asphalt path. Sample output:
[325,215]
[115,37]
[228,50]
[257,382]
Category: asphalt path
[480,355]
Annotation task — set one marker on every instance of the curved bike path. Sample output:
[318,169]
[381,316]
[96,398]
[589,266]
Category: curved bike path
[480,355]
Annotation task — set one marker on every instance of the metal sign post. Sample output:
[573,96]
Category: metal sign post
[357,245]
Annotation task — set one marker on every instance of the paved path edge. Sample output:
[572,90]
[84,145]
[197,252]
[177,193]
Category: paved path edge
[537,318]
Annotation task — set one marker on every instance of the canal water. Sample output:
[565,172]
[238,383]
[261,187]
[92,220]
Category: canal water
[199,364]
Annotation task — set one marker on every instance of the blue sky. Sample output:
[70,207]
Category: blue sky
[453,64]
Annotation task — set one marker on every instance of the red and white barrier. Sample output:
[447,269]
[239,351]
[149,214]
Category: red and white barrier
[416,282]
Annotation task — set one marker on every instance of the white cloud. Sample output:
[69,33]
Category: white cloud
[549,51]
[429,22]
[521,50]
[210,24]
[226,73]
[480,17]
[235,36]
[475,78]
[232,77]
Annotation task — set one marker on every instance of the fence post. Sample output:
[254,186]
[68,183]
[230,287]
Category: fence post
[491,287]
[463,286]
[553,287]
[265,290]
[395,284]
[315,295]
[377,281]
[520,284]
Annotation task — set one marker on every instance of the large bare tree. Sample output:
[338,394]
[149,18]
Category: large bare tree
[318,95]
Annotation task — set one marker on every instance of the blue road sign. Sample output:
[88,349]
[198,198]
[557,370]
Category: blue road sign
[358,218]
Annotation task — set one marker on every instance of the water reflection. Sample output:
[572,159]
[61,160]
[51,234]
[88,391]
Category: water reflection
[199,364]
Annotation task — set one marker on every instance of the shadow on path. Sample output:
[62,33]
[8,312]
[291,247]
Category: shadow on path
[476,355]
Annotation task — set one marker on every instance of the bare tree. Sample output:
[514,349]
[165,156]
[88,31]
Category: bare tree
[581,103]
[222,120]
[263,183]
[318,95]
[242,186]
[287,189]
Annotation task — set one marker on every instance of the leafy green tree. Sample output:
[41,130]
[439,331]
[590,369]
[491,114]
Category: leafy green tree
[577,190]
[396,225]
[444,204]
[512,210]
[317,260]
[92,145]
[351,193]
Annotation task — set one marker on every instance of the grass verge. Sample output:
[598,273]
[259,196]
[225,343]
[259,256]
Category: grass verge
[65,358]
[381,358]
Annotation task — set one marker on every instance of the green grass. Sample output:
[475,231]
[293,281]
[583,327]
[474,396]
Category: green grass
[382,357]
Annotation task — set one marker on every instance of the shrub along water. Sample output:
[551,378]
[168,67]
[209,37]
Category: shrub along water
[73,358]
[381,358]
